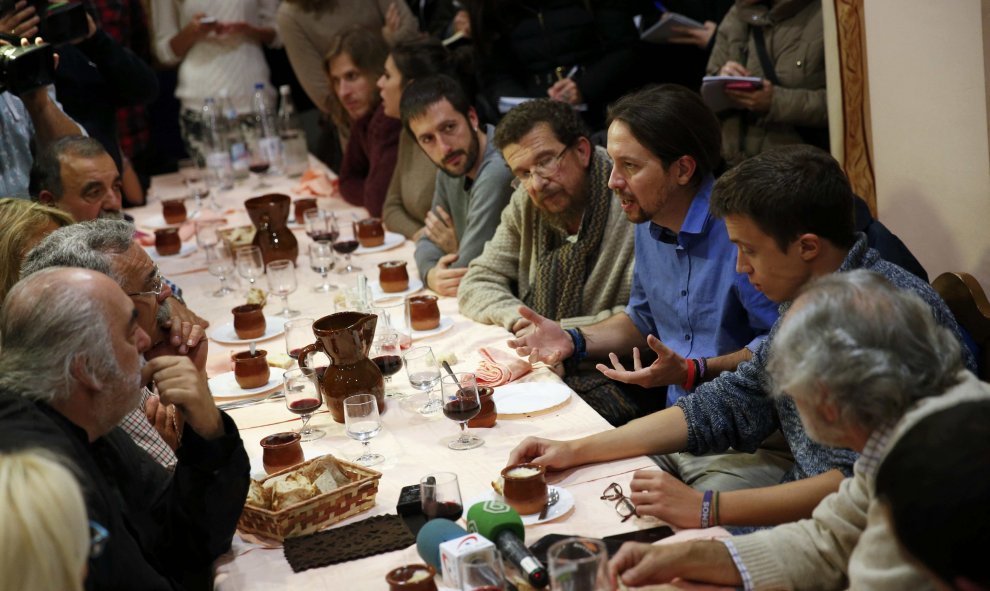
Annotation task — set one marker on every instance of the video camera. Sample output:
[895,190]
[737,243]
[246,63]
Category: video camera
[26,68]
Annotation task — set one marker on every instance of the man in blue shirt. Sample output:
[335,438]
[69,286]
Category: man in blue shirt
[688,303]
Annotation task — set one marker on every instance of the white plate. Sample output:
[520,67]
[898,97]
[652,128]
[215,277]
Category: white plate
[560,508]
[157,222]
[528,397]
[391,241]
[445,325]
[377,294]
[225,385]
[274,326]
[187,249]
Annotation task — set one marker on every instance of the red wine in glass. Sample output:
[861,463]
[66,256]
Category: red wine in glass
[345,246]
[328,236]
[295,353]
[259,167]
[320,371]
[305,406]
[388,364]
[444,509]
[461,409]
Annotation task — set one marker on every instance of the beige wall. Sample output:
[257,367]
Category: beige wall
[928,99]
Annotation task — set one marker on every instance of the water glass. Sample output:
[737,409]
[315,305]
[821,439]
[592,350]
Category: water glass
[250,264]
[424,374]
[321,260]
[220,264]
[578,564]
[282,282]
[362,422]
[482,571]
[298,334]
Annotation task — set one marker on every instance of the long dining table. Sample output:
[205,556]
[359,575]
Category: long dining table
[414,445]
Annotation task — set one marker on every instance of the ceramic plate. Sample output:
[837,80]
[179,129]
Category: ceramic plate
[157,222]
[274,326]
[377,294]
[529,397]
[225,385]
[560,508]
[445,325]
[391,241]
[187,249]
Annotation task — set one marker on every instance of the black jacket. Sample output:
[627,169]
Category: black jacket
[165,529]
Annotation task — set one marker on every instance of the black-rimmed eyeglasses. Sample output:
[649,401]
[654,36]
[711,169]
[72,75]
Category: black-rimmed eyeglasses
[623,506]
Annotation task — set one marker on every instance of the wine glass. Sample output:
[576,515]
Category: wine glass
[386,355]
[345,244]
[302,397]
[258,163]
[220,263]
[321,260]
[424,373]
[250,264]
[461,404]
[194,178]
[482,571]
[391,312]
[362,422]
[298,334]
[440,496]
[206,232]
[320,225]
[282,282]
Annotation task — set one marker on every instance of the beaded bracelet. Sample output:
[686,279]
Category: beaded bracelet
[706,509]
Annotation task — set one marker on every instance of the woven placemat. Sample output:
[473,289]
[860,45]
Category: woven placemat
[374,535]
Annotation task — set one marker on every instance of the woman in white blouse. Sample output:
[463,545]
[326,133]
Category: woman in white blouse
[217,46]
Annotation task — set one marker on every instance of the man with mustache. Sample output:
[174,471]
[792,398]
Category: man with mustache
[472,185]
[78,176]
[563,247]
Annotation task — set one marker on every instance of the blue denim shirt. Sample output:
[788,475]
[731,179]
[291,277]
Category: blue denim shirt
[16,131]
[688,293]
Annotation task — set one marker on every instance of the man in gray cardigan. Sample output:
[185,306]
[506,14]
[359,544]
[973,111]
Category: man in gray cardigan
[472,184]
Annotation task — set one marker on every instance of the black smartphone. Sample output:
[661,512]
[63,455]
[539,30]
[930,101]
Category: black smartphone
[612,543]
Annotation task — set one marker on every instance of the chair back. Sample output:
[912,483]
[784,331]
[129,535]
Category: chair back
[968,303]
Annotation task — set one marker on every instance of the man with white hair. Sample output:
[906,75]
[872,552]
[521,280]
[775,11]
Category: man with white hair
[69,371]
[863,361]
[106,246]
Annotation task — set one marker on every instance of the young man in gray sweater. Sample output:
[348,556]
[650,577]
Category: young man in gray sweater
[473,183]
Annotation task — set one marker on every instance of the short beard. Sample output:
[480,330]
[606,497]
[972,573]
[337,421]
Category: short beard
[471,158]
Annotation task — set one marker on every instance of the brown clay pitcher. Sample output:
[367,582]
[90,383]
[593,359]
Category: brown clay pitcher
[346,338]
[270,216]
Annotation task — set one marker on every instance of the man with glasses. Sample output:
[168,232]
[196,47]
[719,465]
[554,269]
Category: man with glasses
[563,247]
[106,246]
[472,185]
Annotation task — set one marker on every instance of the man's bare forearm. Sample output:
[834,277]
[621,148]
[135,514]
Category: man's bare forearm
[728,362]
[773,505]
[662,432]
[616,334]
[50,123]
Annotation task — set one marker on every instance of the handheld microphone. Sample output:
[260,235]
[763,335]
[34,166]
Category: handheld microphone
[436,532]
[501,524]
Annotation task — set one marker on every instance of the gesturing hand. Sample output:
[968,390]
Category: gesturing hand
[545,341]
[665,497]
[669,367]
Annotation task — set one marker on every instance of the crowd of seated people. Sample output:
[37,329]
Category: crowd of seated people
[705,280]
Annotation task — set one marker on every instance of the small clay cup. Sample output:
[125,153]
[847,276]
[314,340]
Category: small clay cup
[400,579]
[489,414]
[281,451]
[174,210]
[302,206]
[424,314]
[370,232]
[251,371]
[249,321]
[526,494]
[393,277]
[167,242]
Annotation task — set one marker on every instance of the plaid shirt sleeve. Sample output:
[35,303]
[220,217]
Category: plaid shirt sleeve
[136,424]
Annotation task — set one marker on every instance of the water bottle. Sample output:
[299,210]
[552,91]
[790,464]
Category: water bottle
[266,128]
[295,154]
[239,156]
[217,154]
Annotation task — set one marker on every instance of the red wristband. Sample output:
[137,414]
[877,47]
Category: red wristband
[691,374]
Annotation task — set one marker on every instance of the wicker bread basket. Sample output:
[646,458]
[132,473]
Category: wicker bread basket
[315,513]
